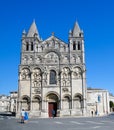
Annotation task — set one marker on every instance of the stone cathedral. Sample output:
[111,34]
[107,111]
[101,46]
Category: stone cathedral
[52,74]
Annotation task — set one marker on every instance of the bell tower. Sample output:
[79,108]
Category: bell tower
[77,61]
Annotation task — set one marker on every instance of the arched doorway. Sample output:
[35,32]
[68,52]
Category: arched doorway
[53,103]
[25,103]
[36,103]
[77,101]
[66,102]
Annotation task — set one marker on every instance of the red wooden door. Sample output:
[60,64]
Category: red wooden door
[52,106]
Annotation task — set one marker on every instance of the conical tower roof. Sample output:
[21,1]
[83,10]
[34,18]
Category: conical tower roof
[33,30]
[76,30]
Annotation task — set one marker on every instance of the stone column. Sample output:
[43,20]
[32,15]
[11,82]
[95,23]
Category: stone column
[30,91]
[84,92]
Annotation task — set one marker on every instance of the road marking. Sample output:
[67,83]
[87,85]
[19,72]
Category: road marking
[107,121]
[33,121]
[76,122]
[94,122]
[87,128]
[96,127]
[57,122]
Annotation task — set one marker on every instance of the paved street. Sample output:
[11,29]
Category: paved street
[95,123]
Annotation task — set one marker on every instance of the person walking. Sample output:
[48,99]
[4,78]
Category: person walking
[92,113]
[26,117]
[22,115]
[53,113]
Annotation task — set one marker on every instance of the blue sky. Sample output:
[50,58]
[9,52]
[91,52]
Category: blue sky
[95,17]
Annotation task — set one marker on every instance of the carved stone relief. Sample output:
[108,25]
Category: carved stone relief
[38,60]
[65,59]
[38,90]
[78,60]
[37,77]
[77,72]
[73,59]
[25,74]
[65,75]
[51,58]
[24,59]
[30,61]
[65,89]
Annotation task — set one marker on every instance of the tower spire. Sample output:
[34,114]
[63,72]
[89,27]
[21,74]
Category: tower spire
[33,31]
[76,29]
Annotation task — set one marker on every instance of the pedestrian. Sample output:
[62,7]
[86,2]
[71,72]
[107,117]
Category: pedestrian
[92,113]
[22,115]
[53,113]
[26,117]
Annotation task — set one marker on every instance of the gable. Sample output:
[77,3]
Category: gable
[54,42]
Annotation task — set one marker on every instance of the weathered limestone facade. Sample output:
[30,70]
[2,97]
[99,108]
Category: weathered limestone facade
[13,101]
[4,103]
[97,102]
[52,74]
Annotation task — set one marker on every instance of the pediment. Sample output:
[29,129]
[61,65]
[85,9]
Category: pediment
[54,40]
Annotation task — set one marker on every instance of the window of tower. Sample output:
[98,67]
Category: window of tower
[74,46]
[32,46]
[27,46]
[79,46]
[53,77]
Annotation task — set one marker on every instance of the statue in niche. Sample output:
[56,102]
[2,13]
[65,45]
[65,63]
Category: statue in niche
[31,59]
[25,74]
[35,83]
[77,73]
[37,76]
[65,89]
[65,73]
[73,58]
[78,59]
[64,76]
[38,59]
[68,83]
[39,84]
[25,59]
[51,57]
[64,83]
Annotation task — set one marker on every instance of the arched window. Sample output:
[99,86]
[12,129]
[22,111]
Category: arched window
[53,77]
[79,46]
[80,34]
[27,46]
[99,98]
[74,46]
[32,46]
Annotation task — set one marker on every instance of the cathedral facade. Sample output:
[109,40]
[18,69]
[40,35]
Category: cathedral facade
[52,74]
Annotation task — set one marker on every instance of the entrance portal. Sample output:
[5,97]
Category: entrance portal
[52,106]
[53,103]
